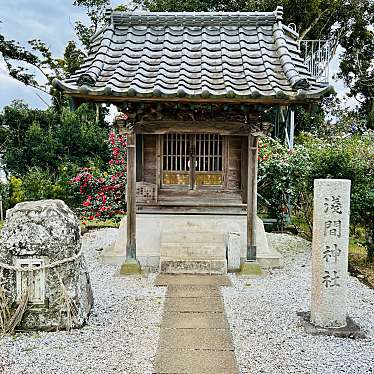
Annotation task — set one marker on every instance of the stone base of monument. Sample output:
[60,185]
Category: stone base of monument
[130,267]
[351,330]
[44,282]
[250,268]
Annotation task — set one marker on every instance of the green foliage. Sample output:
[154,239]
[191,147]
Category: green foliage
[95,10]
[357,60]
[102,195]
[351,158]
[280,172]
[37,184]
[47,139]
[283,174]
[16,193]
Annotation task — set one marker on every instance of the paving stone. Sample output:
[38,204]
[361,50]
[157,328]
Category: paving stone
[193,304]
[192,291]
[195,337]
[196,280]
[210,339]
[194,320]
[195,361]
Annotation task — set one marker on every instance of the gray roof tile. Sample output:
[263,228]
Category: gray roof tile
[195,55]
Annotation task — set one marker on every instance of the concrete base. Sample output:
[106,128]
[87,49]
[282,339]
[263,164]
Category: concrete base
[130,267]
[250,269]
[351,330]
[199,238]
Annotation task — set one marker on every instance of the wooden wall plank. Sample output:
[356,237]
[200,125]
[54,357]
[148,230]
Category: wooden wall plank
[149,159]
[234,163]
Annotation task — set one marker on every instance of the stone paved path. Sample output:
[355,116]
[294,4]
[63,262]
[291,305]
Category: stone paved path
[195,336]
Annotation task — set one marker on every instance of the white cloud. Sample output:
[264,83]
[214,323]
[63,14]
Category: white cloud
[11,89]
[339,85]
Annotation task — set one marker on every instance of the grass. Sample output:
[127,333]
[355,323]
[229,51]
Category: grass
[359,266]
[96,224]
[358,263]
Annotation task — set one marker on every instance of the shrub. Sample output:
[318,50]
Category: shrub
[348,158]
[102,194]
[284,175]
[280,172]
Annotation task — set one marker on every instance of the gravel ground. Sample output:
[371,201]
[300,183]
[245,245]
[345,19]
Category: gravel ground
[266,330]
[120,337]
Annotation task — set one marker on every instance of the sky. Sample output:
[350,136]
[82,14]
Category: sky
[52,21]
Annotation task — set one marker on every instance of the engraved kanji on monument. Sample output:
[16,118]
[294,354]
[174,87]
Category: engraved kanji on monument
[330,252]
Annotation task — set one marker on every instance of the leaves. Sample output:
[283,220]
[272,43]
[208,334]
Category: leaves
[103,194]
[47,139]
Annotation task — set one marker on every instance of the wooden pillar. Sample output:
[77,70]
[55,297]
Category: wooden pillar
[131,196]
[252,196]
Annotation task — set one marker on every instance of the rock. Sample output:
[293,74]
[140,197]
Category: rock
[36,234]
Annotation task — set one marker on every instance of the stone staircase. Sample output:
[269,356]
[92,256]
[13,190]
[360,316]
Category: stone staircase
[193,252]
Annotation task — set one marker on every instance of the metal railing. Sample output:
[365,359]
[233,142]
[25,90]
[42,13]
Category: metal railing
[317,56]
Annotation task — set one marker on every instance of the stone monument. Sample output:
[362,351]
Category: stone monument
[44,283]
[330,252]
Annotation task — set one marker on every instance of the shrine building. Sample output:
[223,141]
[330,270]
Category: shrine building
[197,89]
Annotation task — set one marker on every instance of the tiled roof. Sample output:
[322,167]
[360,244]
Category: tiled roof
[195,55]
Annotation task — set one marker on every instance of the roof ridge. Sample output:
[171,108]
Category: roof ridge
[195,18]
[288,66]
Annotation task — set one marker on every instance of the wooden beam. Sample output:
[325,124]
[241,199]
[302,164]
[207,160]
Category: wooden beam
[252,197]
[192,127]
[131,196]
[264,100]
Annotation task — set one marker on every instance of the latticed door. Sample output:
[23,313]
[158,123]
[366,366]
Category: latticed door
[193,160]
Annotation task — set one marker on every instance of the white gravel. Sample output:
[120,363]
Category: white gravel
[266,330]
[122,333]
[121,336]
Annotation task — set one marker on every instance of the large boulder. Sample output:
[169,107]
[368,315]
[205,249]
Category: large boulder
[44,234]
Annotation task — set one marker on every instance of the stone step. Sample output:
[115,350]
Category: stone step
[171,360]
[192,250]
[193,304]
[192,280]
[192,291]
[192,236]
[194,320]
[197,339]
[195,265]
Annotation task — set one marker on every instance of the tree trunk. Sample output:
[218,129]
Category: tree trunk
[369,235]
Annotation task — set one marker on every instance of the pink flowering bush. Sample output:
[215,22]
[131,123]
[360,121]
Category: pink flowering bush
[103,193]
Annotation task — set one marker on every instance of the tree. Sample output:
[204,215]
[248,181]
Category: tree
[35,66]
[95,10]
[48,139]
[357,63]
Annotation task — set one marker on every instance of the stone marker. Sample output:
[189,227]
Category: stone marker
[233,242]
[330,252]
[43,235]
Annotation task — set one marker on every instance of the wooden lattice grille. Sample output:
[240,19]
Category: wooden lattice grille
[193,159]
[209,151]
[176,153]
